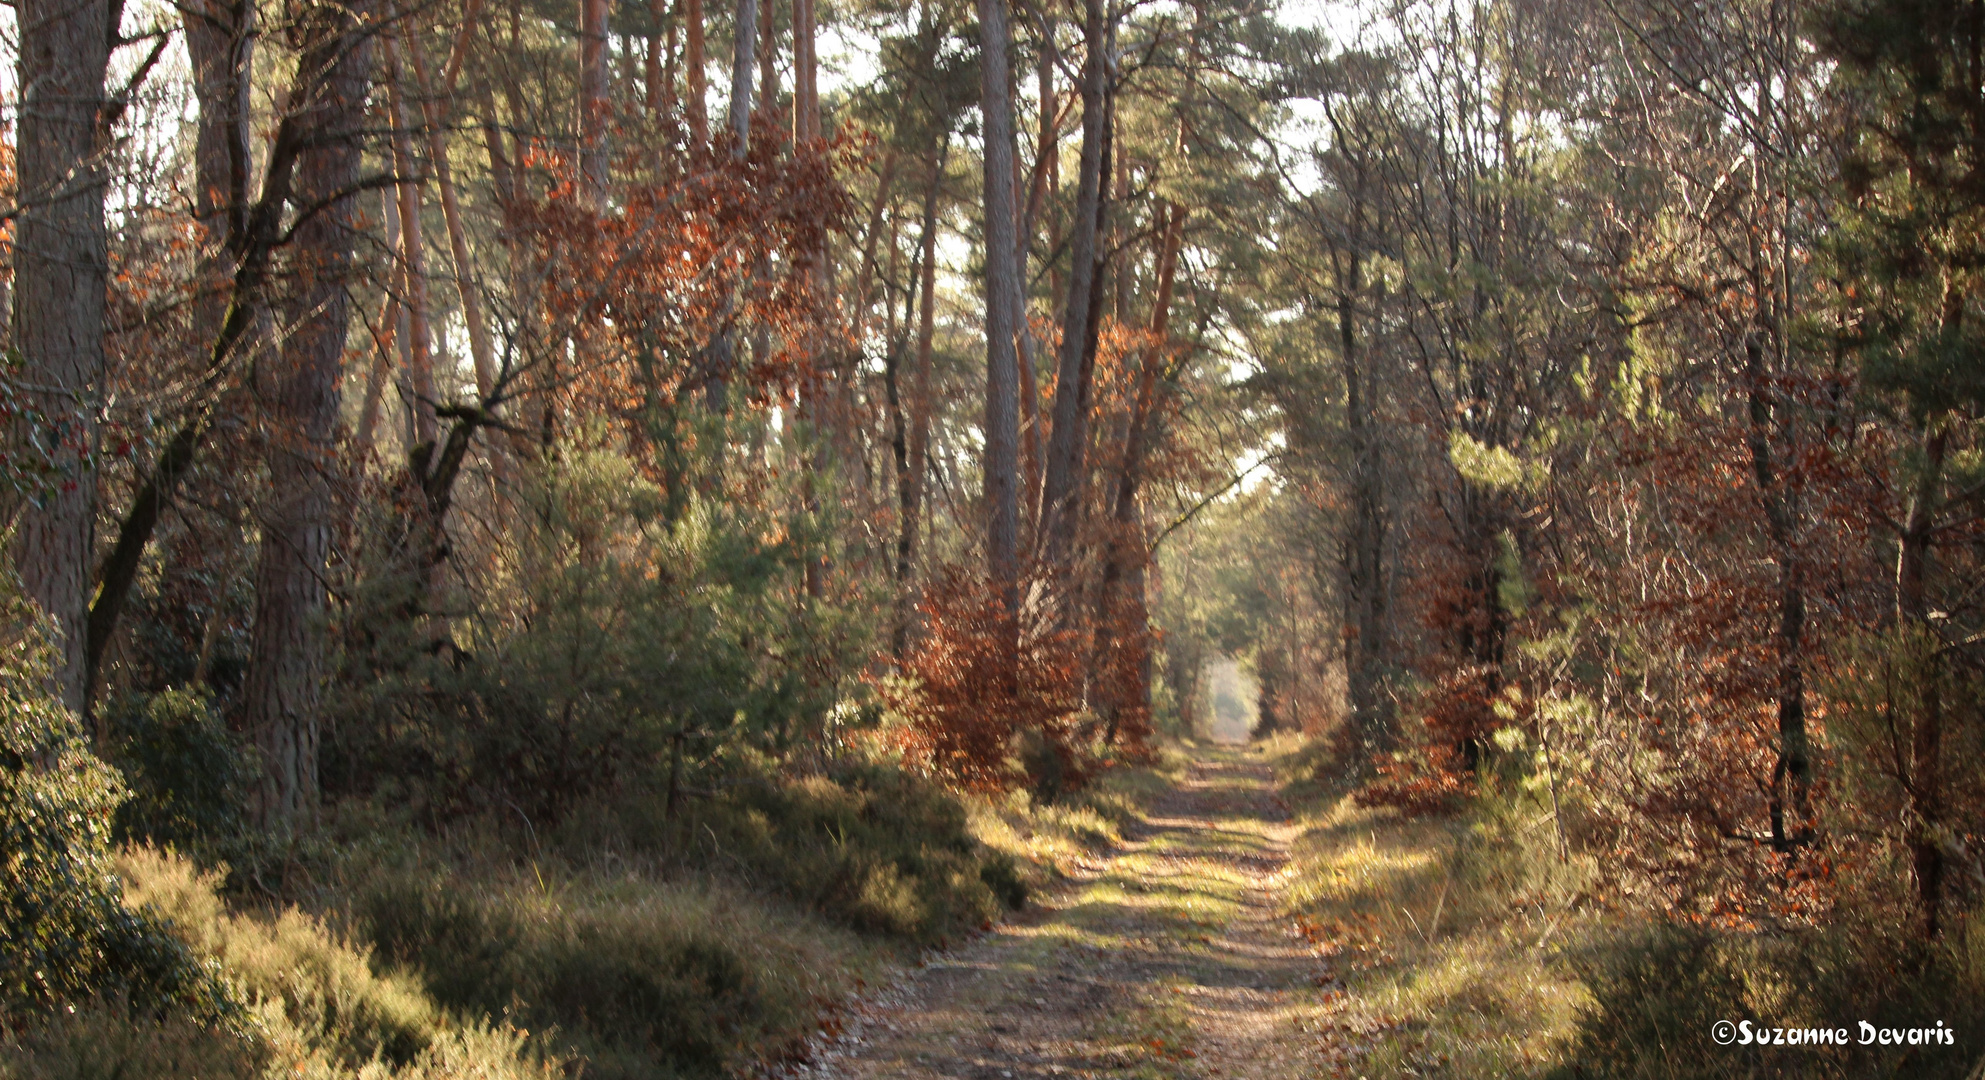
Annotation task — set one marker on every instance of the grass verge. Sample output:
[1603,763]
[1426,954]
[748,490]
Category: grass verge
[1442,935]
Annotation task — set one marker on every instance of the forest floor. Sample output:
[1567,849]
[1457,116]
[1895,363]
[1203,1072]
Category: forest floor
[1172,955]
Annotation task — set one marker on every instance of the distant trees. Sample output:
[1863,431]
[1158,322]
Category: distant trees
[1604,386]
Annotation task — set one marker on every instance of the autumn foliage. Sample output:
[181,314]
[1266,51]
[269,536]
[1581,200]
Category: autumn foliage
[995,701]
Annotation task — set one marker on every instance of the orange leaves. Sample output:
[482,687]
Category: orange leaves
[659,277]
[985,682]
[996,701]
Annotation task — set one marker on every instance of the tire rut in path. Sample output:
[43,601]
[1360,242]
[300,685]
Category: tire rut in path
[1163,958]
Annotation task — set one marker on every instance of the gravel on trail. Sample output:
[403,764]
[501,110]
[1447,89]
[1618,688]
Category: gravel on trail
[1167,957]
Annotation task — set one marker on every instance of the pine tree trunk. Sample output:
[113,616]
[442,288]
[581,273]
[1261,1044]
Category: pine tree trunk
[219,41]
[61,264]
[593,80]
[1792,773]
[806,73]
[1061,477]
[220,44]
[1364,548]
[1120,600]
[693,62]
[413,260]
[299,387]
[1926,803]
[910,475]
[1913,566]
[744,55]
[1002,292]
[386,340]
[435,114]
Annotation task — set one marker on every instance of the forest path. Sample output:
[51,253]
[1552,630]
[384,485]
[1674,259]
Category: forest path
[1166,958]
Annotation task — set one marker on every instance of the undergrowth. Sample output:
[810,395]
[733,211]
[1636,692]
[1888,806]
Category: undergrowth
[1485,944]
[633,943]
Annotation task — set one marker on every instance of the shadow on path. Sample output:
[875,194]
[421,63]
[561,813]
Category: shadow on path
[1165,958]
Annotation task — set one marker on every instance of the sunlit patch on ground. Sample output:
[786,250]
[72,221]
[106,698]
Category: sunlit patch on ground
[1223,936]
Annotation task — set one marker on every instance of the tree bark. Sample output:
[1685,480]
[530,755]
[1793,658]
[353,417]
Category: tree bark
[1792,773]
[694,63]
[743,55]
[1364,548]
[1060,480]
[660,68]
[1002,290]
[910,459]
[413,260]
[768,54]
[1913,567]
[299,388]
[1924,786]
[61,265]
[806,73]
[220,44]
[219,41]
[1125,556]
[865,277]
[1046,151]
[593,107]
[386,340]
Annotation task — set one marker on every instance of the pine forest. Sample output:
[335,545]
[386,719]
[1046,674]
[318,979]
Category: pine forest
[1058,539]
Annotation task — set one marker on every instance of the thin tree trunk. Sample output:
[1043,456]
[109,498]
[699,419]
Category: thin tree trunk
[1122,588]
[911,462]
[694,63]
[281,695]
[384,344]
[413,257]
[768,54]
[1060,481]
[481,349]
[1046,147]
[1926,740]
[61,264]
[220,45]
[1002,432]
[651,69]
[806,73]
[1364,565]
[723,351]
[1793,769]
[1913,567]
[743,55]
[865,278]
[593,107]
[1046,151]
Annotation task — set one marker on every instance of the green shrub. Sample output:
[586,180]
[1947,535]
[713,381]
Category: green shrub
[187,776]
[104,1041]
[1658,992]
[639,978]
[65,935]
[329,997]
[1002,876]
[643,646]
[871,847]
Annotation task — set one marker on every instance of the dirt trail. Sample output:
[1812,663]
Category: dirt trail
[1164,958]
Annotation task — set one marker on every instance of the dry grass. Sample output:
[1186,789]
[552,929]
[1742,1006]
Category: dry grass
[1046,841]
[1443,933]
[318,1009]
